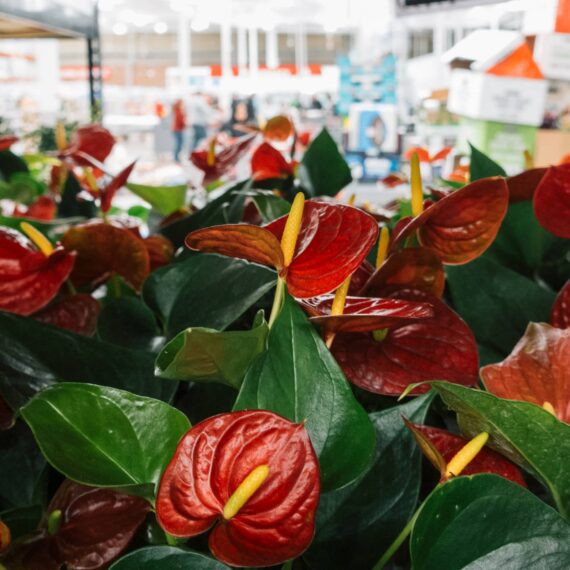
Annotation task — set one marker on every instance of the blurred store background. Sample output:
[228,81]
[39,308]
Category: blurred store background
[382,75]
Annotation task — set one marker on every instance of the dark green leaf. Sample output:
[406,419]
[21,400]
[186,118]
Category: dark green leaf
[482,166]
[485,521]
[22,467]
[528,435]
[21,188]
[53,229]
[271,207]
[164,199]
[22,521]
[208,355]
[205,290]
[10,164]
[356,524]
[298,378]
[128,322]
[167,558]
[33,354]
[496,302]
[105,437]
[70,206]
[323,170]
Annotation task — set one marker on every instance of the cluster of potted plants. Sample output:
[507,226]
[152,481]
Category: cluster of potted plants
[278,379]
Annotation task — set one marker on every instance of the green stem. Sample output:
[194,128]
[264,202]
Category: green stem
[114,286]
[397,543]
[288,565]
[70,287]
[170,540]
[277,300]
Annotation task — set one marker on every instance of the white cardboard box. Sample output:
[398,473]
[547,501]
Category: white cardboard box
[552,53]
[515,100]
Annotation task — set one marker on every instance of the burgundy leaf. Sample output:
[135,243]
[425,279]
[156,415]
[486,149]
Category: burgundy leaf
[75,313]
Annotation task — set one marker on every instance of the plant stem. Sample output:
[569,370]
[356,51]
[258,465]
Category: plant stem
[170,540]
[70,287]
[277,300]
[288,565]
[114,286]
[397,543]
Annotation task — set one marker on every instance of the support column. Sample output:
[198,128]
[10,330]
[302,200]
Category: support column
[271,49]
[253,52]
[184,47]
[242,50]
[301,49]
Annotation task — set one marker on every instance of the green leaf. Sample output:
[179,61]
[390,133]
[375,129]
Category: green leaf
[70,206]
[128,322]
[208,355]
[525,433]
[105,437]
[299,378]
[496,302]
[10,164]
[271,207]
[356,524]
[522,243]
[23,468]
[23,520]
[53,229]
[164,199]
[323,170]
[34,355]
[205,290]
[482,166]
[485,521]
[167,558]
[21,188]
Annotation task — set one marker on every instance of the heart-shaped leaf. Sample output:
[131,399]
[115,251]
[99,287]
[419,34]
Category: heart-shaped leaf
[536,371]
[104,250]
[206,291]
[167,558]
[164,199]
[438,347]
[486,521]
[411,268]
[524,433]
[552,201]
[208,355]
[560,316]
[31,359]
[98,424]
[283,380]
[29,280]
[497,303]
[461,226]
[357,523]
[75,313]
[481,166]
[323,170]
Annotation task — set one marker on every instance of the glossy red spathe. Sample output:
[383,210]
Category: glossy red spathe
[89,142]
[75,313]
[267,162]
[552,201]
[278,522]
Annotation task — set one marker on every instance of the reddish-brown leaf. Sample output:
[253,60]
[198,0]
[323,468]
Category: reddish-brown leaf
[76,313]
[522,186]
[537,370]
[28,279]
[333,241]
[552,201]
[439,446]
[104,250]
[97,526]
[560,316]
[394,180]
[239,240]
[90,141]
[278,128]
[268,162]
[212,460]
[107,193]
[461,226]
[160,251]
[363,314]
[410,268]
[223,160]
[441,347]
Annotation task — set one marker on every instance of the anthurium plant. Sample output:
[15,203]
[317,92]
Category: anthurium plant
[258,375]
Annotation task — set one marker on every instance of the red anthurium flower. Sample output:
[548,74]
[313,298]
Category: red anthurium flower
[279,129]
[522,186]
[268,162]
[253,476]
[537,370]
[6,141]
[108,191]
[460,174]
[75,313]
[560,316]
[104,250]
[216,164]
[388,361]
[85,529]
[88,143]
[332,242]
[424,155]
[394,180]
[160,251]
[440,446]
[30,277]
[461,226]
[43,208]
[552,201]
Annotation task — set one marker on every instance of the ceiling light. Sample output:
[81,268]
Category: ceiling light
[120,29]
[160,28]
[200,25]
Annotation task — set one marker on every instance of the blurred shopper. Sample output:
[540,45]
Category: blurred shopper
[178,126]
[200,114]
[243,116]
